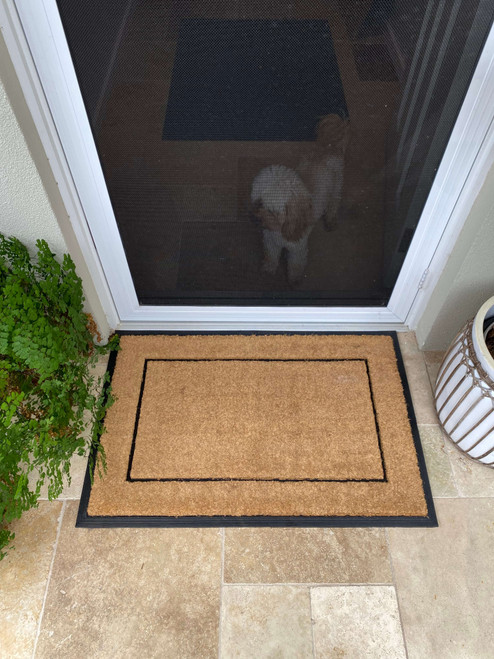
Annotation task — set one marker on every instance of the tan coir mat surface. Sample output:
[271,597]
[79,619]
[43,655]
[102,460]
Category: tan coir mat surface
[288,428]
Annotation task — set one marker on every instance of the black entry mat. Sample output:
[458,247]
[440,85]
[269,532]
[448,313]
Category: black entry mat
[252,80]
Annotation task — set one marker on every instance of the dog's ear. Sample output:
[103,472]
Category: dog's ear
[298,217]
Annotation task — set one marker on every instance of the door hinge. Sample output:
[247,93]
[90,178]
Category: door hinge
[423,279]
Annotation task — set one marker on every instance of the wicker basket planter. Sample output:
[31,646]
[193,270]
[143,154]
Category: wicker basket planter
[464,391]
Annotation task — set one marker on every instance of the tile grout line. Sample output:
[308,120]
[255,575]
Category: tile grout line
[452,471]
[305,584]
[222,579]
[464,497]
[450,462]
[61,499]
[396,593]
[446,451]
[312,624]
[45,597]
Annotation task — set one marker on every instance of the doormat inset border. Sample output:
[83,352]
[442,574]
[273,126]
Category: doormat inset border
[428,519]
[131,479]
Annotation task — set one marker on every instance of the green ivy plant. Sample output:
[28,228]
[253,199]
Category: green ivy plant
[49,395]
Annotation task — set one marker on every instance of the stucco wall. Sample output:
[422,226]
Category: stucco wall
[25,211]
[468,278]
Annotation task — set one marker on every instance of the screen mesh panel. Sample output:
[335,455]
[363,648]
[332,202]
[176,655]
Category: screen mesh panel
[271,152]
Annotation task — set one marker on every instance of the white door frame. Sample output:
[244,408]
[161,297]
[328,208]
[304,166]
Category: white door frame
[36,41]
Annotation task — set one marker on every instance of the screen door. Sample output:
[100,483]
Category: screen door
[271,152]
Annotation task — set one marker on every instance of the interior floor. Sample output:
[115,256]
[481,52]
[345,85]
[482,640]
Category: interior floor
[183,207]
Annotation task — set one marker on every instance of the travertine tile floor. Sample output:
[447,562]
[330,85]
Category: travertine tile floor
[421,593]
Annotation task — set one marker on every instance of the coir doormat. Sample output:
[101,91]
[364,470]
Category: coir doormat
[264,429]
[252,80]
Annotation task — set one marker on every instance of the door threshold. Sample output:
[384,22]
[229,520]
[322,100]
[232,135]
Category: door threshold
[269,319]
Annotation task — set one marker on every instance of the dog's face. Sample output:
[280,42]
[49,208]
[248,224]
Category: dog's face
[333,133]
[291,223]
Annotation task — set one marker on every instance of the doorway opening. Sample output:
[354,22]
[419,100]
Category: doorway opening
[271,152]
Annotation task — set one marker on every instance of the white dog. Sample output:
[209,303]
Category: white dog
[284,206]
[289,203]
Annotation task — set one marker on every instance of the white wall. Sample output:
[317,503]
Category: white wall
[30,203]
[25,211]
[468,278]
